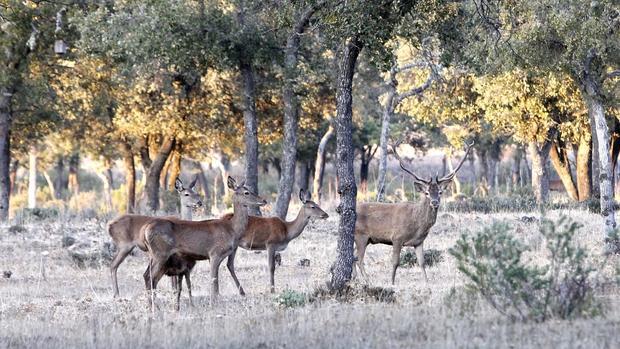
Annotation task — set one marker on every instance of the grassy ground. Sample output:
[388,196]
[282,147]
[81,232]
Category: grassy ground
[50,302]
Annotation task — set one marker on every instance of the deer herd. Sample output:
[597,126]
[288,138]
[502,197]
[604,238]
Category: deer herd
[175,245]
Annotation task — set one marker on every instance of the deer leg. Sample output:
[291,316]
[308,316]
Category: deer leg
[271,258]
[173,281]
[156,272]
[215,286]
[122,253]
[396,247]
[147,276]
[179,289]
[189,287]
[231,268]
[419,251]
[361,243]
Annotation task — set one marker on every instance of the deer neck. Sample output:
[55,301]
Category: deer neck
[296,226]
[186,212]
[240,219]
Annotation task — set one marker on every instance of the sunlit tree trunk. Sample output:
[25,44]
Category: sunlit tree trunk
[175,167]
[50,183]
[130,177]
[13,175]
[319,165]
[32,177]
[540,173]
[342,267]
[561,164]
[584,154]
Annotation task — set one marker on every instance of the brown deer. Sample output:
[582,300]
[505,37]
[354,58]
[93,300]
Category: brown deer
[401,224]
[127,230]
[273,234]
[214,239]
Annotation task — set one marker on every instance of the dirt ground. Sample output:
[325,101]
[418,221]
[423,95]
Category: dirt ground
[50,301]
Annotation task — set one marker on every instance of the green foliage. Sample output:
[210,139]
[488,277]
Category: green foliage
[494,264]
[431,257]
[291,299]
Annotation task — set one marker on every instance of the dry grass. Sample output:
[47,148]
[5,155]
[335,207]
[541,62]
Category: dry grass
[50,302]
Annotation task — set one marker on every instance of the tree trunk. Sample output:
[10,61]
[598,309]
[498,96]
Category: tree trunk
[60,179]
[597,115]
[202,180]
[151,186]
[106,178]
[516,167]
[584,153]
[388,110]
[366,157]
[32,177]
[540,172]
[5,151]
[250,123]
[559,159]
[594,162]
[304,175]
[319,165]
[291,114]
[342,267]
[130,177]
[456,183]
[50,183]
[73,178]
[163,177]
[13,175]
[175,168]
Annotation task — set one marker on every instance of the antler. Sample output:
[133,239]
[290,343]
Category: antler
[400,161]
[451,175]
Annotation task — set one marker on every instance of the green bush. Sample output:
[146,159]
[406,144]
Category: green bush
[492,260]
[291,299]
[431,258]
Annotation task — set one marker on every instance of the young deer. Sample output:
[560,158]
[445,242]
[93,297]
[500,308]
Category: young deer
[214,239]
[401,224]
[273,234]
[127,231]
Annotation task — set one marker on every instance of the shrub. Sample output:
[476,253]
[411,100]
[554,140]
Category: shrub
[291,299]
[431,258]
[493,262]
[355,293]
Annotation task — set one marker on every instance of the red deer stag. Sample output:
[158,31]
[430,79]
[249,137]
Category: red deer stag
[273,234]
[401,224]
[127,231]
[214,239]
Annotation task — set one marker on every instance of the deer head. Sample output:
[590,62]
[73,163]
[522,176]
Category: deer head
[311,209]
[432,187]
[189,196]
[243,195]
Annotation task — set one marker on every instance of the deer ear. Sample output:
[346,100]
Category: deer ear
[302,196]
[308,196]
[178,185]
[445,185]
[192,184]
[232,183]
[420,187]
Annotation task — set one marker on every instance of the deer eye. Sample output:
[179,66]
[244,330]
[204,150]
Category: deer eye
[246,193]
[186,194]
[440,192]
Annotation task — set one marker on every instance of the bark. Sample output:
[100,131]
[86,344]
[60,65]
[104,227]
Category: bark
[202,180]
[291,111]
[540,172]
[614,152]
[559,159]
[584,153]
[597,114]
[13,175]
[5,151]
[594,162]
[163,178]
[319,165]
[61,183]
[50,183]
[516,167]
[151,186]
[342,267]
[106,178]
[368,152]
[32,177]
[250,123]
[175,168]
[73,178]
[383,139]
[130,177]
[304,175]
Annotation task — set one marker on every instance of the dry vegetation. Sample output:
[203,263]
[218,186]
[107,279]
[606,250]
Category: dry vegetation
[49,301]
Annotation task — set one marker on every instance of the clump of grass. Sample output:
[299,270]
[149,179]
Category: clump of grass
[431,257]
[17,229]
[291,299]
[351,294]
[492,260]
[40,213]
